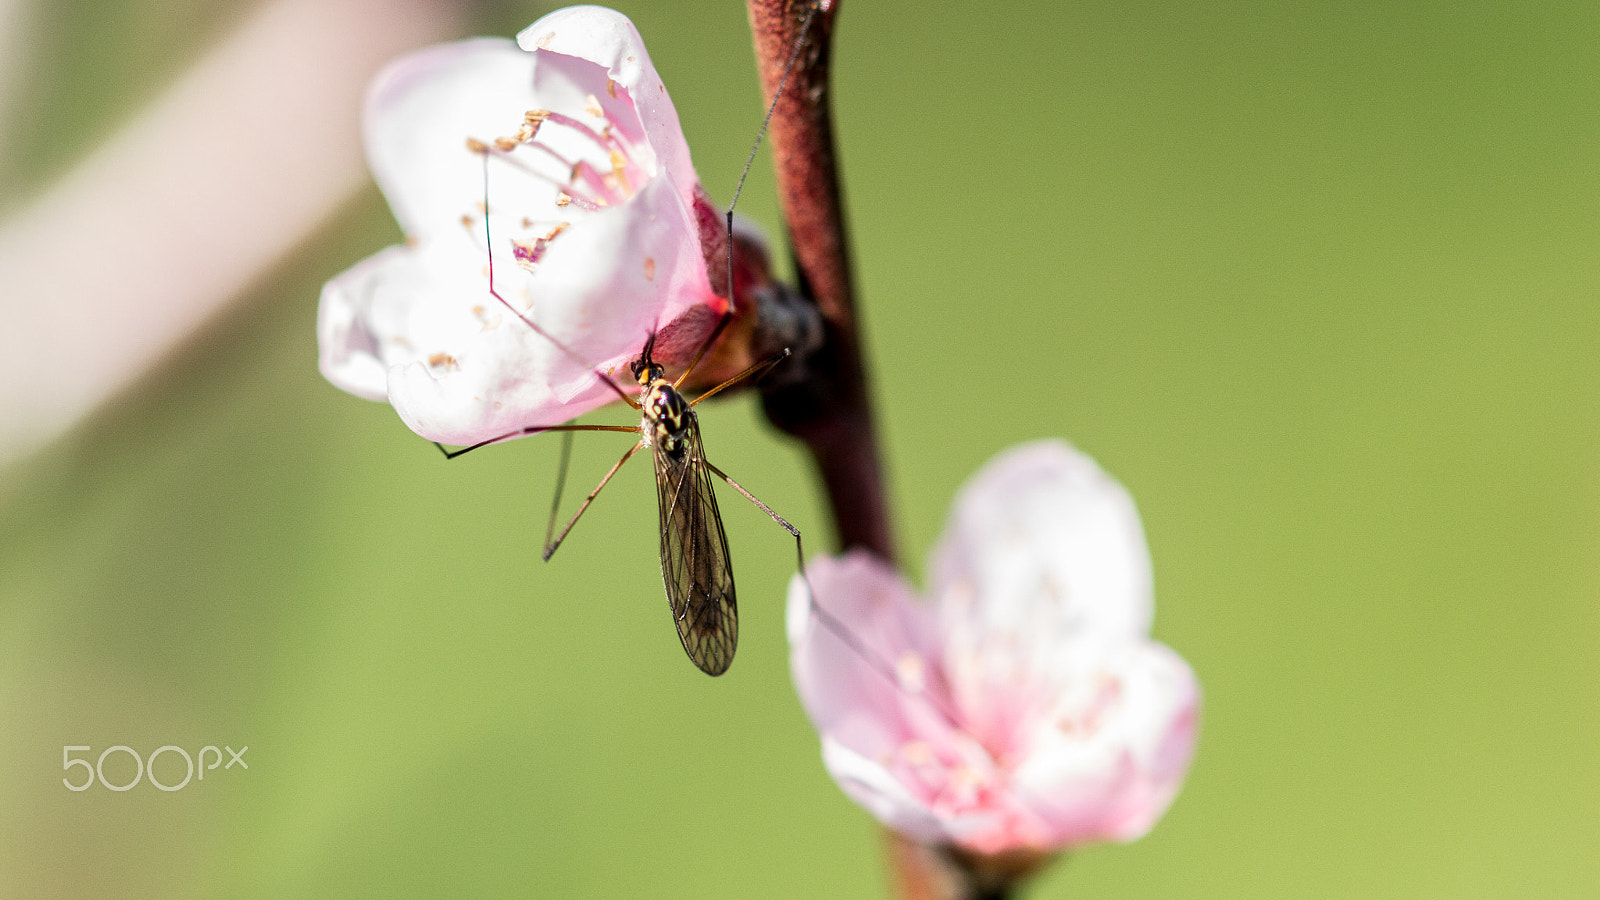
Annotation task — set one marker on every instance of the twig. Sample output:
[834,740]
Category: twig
[830,411]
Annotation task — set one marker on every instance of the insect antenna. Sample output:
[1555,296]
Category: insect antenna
[727,316]
[488,242]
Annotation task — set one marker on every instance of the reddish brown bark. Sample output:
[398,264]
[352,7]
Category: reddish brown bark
[830,411]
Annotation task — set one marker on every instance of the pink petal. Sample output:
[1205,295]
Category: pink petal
[1051,544]
[354,351]
[419,114]
[1111,756]
[607,39]
[861,690]
[870,784]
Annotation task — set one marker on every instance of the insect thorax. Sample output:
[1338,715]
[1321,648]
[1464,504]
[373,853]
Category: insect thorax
[667,416]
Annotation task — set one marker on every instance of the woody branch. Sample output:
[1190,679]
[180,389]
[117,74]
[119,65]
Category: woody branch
[830,411]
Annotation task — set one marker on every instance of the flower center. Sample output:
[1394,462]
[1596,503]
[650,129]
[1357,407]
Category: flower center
[588,159]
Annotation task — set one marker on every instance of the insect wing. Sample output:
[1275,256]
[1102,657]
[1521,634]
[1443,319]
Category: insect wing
[694,557]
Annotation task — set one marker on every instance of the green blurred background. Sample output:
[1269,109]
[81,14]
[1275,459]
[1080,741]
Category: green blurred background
[1316,281]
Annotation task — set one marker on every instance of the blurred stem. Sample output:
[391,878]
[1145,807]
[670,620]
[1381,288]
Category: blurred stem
[830,410]
[922,872]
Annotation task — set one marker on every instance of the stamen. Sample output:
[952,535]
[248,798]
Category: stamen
[592,176]
[528,254]
[605,189]
[565,186]
[477,146]
[618,168]
[566,199]
[570,122]
[539,145]
[611,88]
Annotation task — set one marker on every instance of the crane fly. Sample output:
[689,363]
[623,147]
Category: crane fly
[696,567]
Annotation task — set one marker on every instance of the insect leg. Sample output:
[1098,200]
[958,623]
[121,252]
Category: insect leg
[751,372]
[561,486]
[534,429]
[550,548]
[763,507]
[721,323]
[834,626]
[783,82]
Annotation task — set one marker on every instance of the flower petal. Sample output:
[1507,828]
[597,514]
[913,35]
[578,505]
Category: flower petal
[352,353]
[1110,757]
[880,793]
[862,690]
[420,112]
[1053,547]
[608,39]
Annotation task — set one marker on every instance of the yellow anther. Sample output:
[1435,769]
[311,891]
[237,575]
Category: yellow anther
[911,672]
[618,168]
